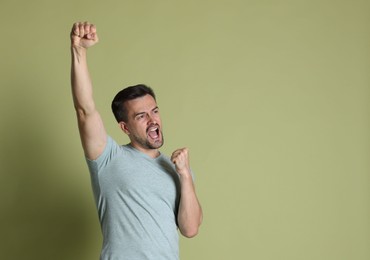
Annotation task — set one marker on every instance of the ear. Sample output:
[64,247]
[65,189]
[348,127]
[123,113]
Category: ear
[124,127]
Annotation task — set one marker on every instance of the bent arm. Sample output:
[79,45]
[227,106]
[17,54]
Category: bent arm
[92,131]
[190,212]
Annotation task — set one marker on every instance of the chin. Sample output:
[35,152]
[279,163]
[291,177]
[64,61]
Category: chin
[157,144]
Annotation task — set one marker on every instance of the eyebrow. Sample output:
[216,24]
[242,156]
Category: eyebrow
[141,113]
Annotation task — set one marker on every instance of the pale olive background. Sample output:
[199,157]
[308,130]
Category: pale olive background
[271,97]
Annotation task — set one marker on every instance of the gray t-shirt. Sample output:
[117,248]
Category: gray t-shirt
[137,199]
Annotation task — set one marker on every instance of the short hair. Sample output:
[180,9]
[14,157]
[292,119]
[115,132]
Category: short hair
[126,94]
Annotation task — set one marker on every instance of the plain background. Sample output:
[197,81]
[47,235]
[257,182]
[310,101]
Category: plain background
[271,97]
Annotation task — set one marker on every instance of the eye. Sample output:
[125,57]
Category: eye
[139,117]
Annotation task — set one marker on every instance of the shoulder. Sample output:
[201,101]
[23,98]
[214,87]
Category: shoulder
[110,151]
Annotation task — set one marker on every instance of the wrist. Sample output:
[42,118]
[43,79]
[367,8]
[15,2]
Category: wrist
[78,53]
[186,174]
[78,49]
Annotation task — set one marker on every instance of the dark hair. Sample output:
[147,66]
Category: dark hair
[127,94]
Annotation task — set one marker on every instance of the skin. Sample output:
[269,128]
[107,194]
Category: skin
[143,116]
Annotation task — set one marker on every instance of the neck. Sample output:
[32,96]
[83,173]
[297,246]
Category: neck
[153,153]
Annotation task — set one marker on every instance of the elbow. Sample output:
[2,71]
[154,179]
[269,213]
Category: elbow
[83,112]
[190,232]
[192,229]
[83,108]
[189,224]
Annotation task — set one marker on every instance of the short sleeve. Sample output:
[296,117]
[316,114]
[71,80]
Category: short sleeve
[110,151]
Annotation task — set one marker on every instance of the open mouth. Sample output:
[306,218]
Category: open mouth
[153,132]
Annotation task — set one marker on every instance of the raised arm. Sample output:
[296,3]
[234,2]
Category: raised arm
[90,124]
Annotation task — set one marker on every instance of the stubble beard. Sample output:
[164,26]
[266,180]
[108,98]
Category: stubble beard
[146,144]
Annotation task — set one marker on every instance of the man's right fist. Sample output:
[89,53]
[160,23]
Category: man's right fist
[83,35]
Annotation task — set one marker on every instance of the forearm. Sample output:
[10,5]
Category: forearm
[190,212]
[81,82]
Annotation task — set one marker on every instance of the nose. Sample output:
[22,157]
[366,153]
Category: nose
[151,119]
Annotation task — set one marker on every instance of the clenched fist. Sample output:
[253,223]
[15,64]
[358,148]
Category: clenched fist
[84,35]
[180,158]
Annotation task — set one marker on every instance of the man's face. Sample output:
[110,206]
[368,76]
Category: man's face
[143,125]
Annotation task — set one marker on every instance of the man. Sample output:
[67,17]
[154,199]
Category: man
[142,196]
